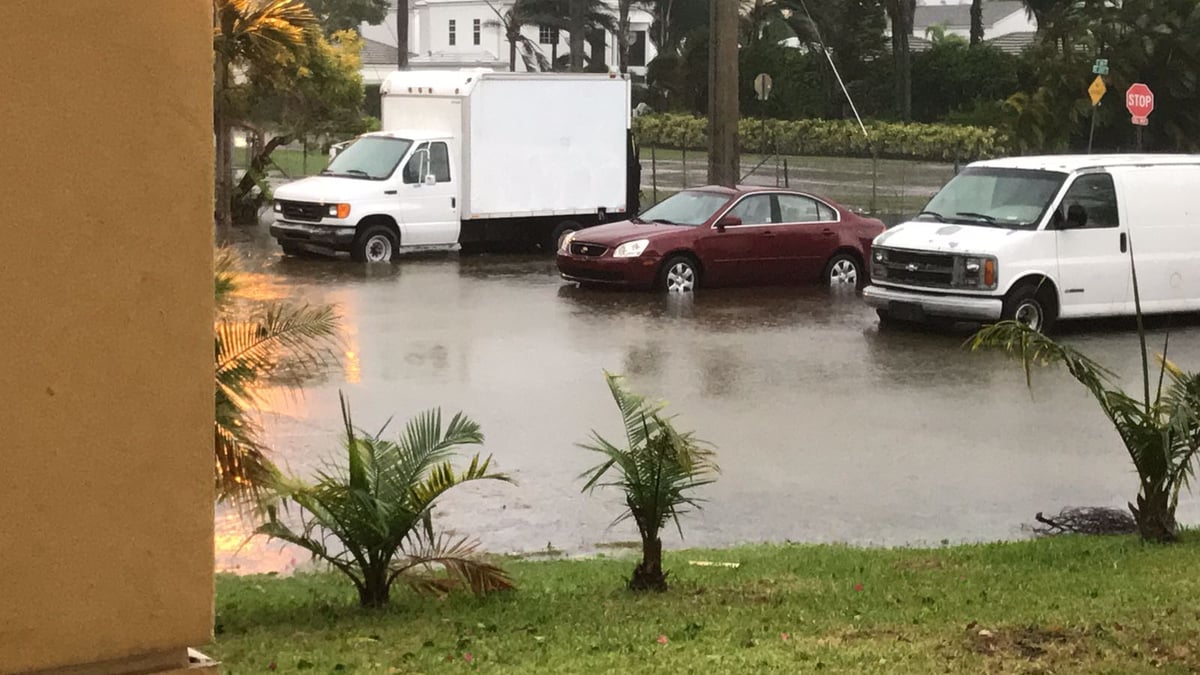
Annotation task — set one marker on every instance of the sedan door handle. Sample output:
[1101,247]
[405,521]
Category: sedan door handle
[828,232]
[1124,243]
[768,233]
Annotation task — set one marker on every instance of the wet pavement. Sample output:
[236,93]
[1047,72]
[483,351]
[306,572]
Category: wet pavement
[827,429]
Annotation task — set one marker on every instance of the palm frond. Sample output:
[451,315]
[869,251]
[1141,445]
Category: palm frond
[458,557]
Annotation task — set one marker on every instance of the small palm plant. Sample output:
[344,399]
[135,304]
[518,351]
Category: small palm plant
[279,342]
[379,509]
[1161,434]
[657,471]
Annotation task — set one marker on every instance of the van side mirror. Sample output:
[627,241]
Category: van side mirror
[1076,217]
[728,221]
[430,179]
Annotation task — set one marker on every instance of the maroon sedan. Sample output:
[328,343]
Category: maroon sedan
[721,237]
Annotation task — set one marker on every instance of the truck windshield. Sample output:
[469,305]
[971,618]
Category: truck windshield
[1007,198]
[370,157]
[692,207]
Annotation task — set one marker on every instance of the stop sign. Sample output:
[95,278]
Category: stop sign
[1139,100]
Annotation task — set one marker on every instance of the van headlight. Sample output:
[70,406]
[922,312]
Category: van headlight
[977,272]
[278,206]
[339,211]
[631,249]
[879,264]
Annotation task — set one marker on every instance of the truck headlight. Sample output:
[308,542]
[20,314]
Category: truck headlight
[339,211]
[631,249]
[566,242]
[278,207]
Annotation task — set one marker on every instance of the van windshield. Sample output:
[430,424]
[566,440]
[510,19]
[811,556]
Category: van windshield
[370,157]
[1007,198]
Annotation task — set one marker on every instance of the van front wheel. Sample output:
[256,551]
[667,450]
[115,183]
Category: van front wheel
[1030,304]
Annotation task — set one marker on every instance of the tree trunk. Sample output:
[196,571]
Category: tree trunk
[901,14]
[723,159]
[554,53]
[649,575]
[375,591]
[976,22]
[223,189]
[578,35]
[402,34]
[512,54]
[1154,514]
[623,34]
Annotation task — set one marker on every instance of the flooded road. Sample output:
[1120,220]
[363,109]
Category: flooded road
[827,429]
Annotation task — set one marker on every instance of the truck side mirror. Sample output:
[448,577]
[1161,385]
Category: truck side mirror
[430,179]
[728,221]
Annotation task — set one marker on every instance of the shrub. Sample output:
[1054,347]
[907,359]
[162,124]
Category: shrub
[835,138]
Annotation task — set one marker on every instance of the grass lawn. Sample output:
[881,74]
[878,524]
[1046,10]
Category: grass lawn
[1064,605]
[290,161]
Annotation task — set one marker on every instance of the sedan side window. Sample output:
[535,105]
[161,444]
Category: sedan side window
[754,210]
[797,209]
[1092,200]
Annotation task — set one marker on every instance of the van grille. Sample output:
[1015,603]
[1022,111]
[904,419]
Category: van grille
[302,211]
[935,270]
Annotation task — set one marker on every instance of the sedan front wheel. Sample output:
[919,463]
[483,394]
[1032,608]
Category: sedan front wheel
[844,271]
[680,274]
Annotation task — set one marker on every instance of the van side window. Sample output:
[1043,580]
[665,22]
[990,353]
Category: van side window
[439,162]
[1095,194]
[412,169]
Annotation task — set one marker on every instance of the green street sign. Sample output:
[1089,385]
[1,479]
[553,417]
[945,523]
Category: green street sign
[1100,67]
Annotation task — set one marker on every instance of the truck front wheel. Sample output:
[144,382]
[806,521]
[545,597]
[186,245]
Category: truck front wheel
[376,243]
[555,240]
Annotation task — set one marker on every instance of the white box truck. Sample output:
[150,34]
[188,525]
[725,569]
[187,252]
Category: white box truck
[475,158]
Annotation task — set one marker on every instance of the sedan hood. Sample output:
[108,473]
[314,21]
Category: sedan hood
[614,234]
[330,189]
[950,237]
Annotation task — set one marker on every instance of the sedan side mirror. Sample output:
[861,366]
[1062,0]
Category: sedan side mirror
[728,221]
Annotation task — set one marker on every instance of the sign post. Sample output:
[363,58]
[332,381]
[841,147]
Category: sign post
[1096,92]
[1139,101]
[762,88]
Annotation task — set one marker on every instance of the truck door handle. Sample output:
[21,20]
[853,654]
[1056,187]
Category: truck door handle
[454,202]
[1124,243]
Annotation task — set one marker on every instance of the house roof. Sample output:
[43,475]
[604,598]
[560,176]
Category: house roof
[1013,43]
[959,16]
[375,53]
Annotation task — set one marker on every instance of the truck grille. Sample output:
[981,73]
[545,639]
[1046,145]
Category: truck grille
[917,269]
[302,211]
[590,250]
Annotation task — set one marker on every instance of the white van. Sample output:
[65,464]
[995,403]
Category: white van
[1037,239]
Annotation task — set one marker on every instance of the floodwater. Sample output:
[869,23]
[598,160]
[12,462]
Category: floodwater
[827,429]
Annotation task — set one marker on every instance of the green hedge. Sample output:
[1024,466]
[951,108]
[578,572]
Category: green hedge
[834,138]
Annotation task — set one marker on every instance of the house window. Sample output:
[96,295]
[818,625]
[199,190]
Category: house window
[452,35]
[547,35]
[637,50]
[476,29]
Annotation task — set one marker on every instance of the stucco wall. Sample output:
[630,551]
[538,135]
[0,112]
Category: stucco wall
[106,399]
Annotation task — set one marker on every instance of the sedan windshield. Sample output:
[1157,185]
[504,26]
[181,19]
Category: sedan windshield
[693,207]
[370,157]
[1007,198]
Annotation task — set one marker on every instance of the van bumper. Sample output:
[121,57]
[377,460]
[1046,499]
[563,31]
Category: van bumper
[330,236]
[914,305]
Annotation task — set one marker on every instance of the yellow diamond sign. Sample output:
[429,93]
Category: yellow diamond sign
[1097,90]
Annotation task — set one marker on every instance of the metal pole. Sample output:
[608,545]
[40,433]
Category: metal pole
[1139,138]
[1092,131]
[874,180]
[685,177]
[654,171]
[785,173]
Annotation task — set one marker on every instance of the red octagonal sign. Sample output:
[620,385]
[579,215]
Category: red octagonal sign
[1139,100]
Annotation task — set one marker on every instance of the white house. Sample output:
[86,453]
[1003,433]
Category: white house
[453,34]
[1000,18]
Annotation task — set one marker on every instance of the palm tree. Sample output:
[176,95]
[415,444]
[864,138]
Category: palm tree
[976,22]
[1161,434]
[285,343]
[511,21]
[656,470]
[246,32]
[578,18]
[623,44]
[379,508]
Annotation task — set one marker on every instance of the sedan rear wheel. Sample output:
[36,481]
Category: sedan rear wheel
[680,274]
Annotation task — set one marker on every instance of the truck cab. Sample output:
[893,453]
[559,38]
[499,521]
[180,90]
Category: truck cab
[383,189]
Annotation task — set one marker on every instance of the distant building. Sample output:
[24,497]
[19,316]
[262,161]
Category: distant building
[454,34]
[1001,18]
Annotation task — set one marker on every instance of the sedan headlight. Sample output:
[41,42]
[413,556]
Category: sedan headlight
[631,249]
[566,242]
